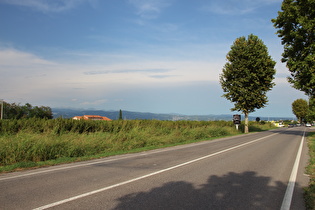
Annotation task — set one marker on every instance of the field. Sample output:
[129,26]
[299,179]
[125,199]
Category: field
[30,143]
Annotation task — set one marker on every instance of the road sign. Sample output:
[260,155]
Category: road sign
[237,119]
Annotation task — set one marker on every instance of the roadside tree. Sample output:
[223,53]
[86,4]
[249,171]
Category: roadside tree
[248,75]
[311,110]
[300,109]
[296,24]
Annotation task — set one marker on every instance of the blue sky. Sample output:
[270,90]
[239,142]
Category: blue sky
[160,56]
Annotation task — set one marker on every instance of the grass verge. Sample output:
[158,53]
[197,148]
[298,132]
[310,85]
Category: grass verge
[63,160]
[33,144]
[309,192]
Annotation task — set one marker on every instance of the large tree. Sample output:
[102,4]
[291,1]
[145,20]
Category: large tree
[296,27]
[300,109]
[311,110]
[17,111]
[248,75]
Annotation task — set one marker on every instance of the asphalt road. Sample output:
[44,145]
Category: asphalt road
[250,171]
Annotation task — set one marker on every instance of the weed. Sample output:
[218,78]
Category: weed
[309,192]
[34,142]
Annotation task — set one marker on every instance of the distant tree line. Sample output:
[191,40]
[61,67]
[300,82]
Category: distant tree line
[17,111]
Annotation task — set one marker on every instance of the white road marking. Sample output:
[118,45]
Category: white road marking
[148,175]
[61,168]
[286,203]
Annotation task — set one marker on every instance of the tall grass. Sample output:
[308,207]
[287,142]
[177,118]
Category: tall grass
[309,192]
[36,140]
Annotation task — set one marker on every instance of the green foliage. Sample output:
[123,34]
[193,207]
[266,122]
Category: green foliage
[120,115]
[311,110]
[36,142]
[248,75]
[300,109]
[309,193]
[17,111]
[26,141]
[296,24]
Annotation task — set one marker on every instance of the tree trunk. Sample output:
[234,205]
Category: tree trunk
[246,123]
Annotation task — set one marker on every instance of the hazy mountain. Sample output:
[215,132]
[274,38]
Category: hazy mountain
[114,115]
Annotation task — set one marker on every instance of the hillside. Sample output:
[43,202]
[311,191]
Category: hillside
[69,113]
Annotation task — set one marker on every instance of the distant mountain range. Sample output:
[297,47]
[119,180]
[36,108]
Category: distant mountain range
[114,115]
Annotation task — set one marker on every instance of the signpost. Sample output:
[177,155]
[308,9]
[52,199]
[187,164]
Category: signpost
[237,120]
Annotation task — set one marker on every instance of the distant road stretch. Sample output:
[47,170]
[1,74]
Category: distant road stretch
[255,171]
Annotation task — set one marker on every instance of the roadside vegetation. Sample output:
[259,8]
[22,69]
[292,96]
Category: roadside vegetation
[248,75]
[309,193]
[18,111]
[27,143]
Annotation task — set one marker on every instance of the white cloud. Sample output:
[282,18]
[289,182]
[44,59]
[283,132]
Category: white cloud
[96,102]
[149,9]
[124,71]
[48,5]
[9,57]
[27,76]
[232,7]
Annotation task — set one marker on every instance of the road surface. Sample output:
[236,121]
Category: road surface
[252,171]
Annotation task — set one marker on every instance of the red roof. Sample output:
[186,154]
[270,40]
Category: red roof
[91,117]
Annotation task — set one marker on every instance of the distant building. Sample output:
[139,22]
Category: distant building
[91,117]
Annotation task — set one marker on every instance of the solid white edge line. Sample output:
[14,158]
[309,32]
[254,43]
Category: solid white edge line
[286,203]
[145,176]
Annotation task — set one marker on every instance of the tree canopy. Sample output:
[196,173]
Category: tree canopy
[300,109]
[311,110]
[296,27]
[120,115]
[17,111]
[248,75]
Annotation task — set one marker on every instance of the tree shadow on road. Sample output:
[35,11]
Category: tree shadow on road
[231,191]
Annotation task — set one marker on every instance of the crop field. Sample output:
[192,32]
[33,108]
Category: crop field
[34,142]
